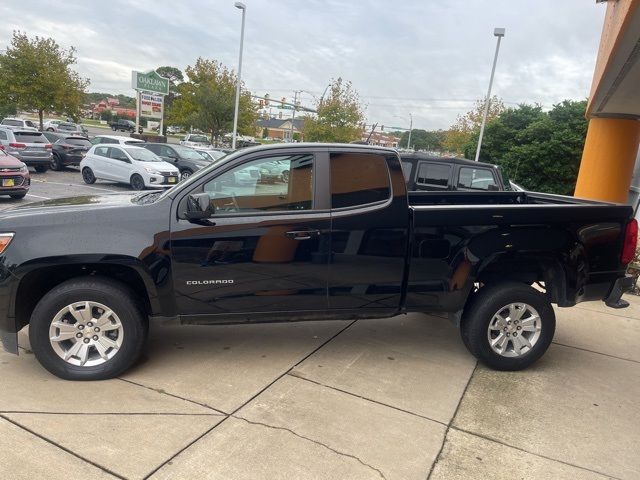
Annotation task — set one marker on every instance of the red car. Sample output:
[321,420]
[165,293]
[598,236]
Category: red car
[14,176]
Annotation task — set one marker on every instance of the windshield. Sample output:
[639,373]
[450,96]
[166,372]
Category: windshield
[142,155]
[82,142]
[198,138]
[30,137]
[214,154]
[188,153]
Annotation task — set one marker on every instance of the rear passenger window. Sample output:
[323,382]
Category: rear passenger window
[358,179]
[102,151]
[434,174]
[477,179]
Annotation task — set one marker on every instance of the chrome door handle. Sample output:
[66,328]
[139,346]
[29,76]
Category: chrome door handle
[302,234]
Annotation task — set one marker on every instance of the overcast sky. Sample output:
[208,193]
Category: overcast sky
[425,57]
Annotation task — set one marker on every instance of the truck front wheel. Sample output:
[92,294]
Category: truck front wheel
[88,328]
[508,326]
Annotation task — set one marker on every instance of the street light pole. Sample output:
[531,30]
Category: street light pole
[293,116]
[410,128]
[242,7]
[498,32]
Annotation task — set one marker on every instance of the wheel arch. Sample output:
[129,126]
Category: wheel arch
[38,281]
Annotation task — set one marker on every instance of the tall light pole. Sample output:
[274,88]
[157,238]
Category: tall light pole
[410,128]
[242,7]
[498,32]
[293,115]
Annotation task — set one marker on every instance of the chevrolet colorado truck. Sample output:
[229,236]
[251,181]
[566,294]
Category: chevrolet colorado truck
[338,238]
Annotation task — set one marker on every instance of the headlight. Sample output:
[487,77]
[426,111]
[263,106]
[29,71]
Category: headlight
[152,171]
[5,240]
[24,168]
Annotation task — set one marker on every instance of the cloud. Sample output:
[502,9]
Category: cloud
[425,57]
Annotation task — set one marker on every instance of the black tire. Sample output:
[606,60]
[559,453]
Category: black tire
[186,173]
[41,168]
[18,196]
[56,162]
[88,176]
[137,182]
[107,292]
[114,129]
[482,309]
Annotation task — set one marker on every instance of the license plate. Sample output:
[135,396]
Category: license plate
[172,179]
[8,182]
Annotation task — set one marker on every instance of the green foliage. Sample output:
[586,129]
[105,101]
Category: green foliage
[539,150]
[423,139]
[207,101]
[96,97]
[339,115]
[460,133]
[36,74]
[7,108]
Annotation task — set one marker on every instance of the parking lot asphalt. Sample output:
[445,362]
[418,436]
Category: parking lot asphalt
[396,398]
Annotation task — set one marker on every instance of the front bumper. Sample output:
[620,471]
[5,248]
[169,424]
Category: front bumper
[620,286]
[34,161]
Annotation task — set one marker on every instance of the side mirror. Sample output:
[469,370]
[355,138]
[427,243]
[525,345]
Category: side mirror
[199,206]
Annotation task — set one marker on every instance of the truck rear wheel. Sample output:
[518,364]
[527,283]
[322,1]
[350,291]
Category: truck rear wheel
[508,326]
[88,328]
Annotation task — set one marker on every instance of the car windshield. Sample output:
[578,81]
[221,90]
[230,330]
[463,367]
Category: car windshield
[81,142]
[142,155]
[188,153]
[30,137]
[199,139]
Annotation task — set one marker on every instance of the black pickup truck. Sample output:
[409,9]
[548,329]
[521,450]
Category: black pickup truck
[123,125]
[339,238]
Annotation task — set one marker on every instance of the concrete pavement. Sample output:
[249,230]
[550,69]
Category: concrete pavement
[396,398]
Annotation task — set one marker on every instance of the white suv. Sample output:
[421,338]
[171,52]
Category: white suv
[136,166]
[18,124]
[196,140]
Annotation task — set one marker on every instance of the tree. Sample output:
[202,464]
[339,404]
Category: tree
[423,139]
[36,74]
[175,76]
[339,115]
[459,134]
[539,150]
[207,101]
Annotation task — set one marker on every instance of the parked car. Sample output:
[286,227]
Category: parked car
[51,125]
[136,166]
[172,130]
[432,173]
[123,125]
[195,140]
[212,153]
[115,139]
[67,149]
[18,124]
[274,171]
[342,239]
[28,146]
[186,159]
[14,176]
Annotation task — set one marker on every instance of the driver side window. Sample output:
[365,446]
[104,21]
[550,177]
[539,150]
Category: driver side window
[279,183]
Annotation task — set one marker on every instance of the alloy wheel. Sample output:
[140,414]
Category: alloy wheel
[514,330]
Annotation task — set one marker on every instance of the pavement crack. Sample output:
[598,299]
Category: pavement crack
[337,452]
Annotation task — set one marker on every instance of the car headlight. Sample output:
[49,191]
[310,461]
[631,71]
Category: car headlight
[24,168]
[5,240]
[152,171]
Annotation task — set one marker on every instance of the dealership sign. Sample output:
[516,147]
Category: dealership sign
[150,82]
[151,105]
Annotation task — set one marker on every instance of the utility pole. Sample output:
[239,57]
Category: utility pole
[410,128]
[295,106]
[242,7]
[498,32]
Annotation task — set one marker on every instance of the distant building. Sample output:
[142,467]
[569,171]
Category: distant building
[279,129]
[380,139]
[111,104]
